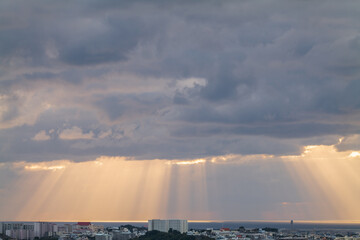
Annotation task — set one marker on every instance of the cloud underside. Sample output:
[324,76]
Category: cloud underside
[79,80]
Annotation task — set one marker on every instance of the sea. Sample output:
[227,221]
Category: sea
[353,227]
[301,225]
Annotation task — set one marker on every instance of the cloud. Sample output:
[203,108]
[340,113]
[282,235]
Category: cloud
[104,134]
[351,142]
[41,136]
[192,81]
[75,133]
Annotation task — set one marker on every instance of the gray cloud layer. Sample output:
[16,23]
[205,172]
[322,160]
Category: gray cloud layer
[176,79]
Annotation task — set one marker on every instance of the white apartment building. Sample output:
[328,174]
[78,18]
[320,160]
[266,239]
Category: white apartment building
[28,230]
[165,225]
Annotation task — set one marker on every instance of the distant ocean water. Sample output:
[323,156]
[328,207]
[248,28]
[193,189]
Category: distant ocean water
[254,224]
[302,226]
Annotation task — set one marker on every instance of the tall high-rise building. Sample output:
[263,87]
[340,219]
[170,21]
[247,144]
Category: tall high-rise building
[45,229]
[165,225]
[28,230]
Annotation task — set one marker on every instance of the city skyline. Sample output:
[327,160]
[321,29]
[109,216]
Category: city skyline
[198,110]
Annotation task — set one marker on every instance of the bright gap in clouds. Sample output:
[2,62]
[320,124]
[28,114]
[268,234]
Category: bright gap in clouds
[116,188]
[354,154]
[331,179]
[110,188]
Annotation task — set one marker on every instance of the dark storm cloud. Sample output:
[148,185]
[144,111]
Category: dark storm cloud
[39,75]
[76,37]
[111,106]
[11,111]
[129,105]
[19,145]
[176,79]
[20,42]
[109,46]
[288,130]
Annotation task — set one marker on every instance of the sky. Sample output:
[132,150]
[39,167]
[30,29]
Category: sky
[200,110]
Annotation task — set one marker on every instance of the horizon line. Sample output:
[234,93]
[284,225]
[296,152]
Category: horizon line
[195,221]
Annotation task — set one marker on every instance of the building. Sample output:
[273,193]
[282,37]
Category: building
[28,230]
[103,236]
[119,235]
[166,225]
[66,228]
[81,227]
[45,229]
[18,230]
